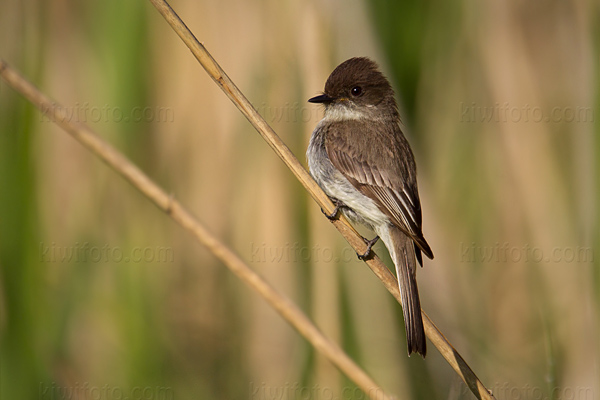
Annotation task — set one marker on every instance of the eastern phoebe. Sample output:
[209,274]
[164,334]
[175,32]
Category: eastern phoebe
[363,162]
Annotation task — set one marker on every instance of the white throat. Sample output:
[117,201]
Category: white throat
[341,112]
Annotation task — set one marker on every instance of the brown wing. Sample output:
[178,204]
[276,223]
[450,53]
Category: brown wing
[382,168]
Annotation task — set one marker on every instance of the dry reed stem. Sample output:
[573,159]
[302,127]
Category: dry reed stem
[183,217]
[350,234]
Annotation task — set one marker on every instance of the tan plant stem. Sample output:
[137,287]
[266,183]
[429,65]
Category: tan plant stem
[107,153]
[237,97]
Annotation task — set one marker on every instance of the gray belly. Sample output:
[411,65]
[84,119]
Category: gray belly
[360,207]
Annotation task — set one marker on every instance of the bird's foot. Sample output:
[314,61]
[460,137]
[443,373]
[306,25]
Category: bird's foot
[370,244]
[338,206]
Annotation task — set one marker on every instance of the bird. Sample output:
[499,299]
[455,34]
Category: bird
[361,159]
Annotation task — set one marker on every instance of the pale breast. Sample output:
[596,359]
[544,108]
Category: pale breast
[361,208]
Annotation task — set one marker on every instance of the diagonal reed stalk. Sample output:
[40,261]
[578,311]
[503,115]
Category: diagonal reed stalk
[168,204]
[350,234]
[121,164]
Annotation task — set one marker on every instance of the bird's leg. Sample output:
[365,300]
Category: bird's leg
[369,244]
[338,205]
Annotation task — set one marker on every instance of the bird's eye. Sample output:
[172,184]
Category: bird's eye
[356,91]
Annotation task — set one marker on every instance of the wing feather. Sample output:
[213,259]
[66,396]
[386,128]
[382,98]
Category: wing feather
[395,198]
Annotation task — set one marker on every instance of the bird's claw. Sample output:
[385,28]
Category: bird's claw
[370,244]
[338,205]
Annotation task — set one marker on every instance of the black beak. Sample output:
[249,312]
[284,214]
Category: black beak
[321,99]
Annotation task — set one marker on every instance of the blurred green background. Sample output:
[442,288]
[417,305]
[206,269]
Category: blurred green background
[102,296]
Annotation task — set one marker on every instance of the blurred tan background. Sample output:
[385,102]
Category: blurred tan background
[102,296]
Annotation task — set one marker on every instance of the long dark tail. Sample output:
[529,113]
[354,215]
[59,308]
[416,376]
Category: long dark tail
[406,266]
